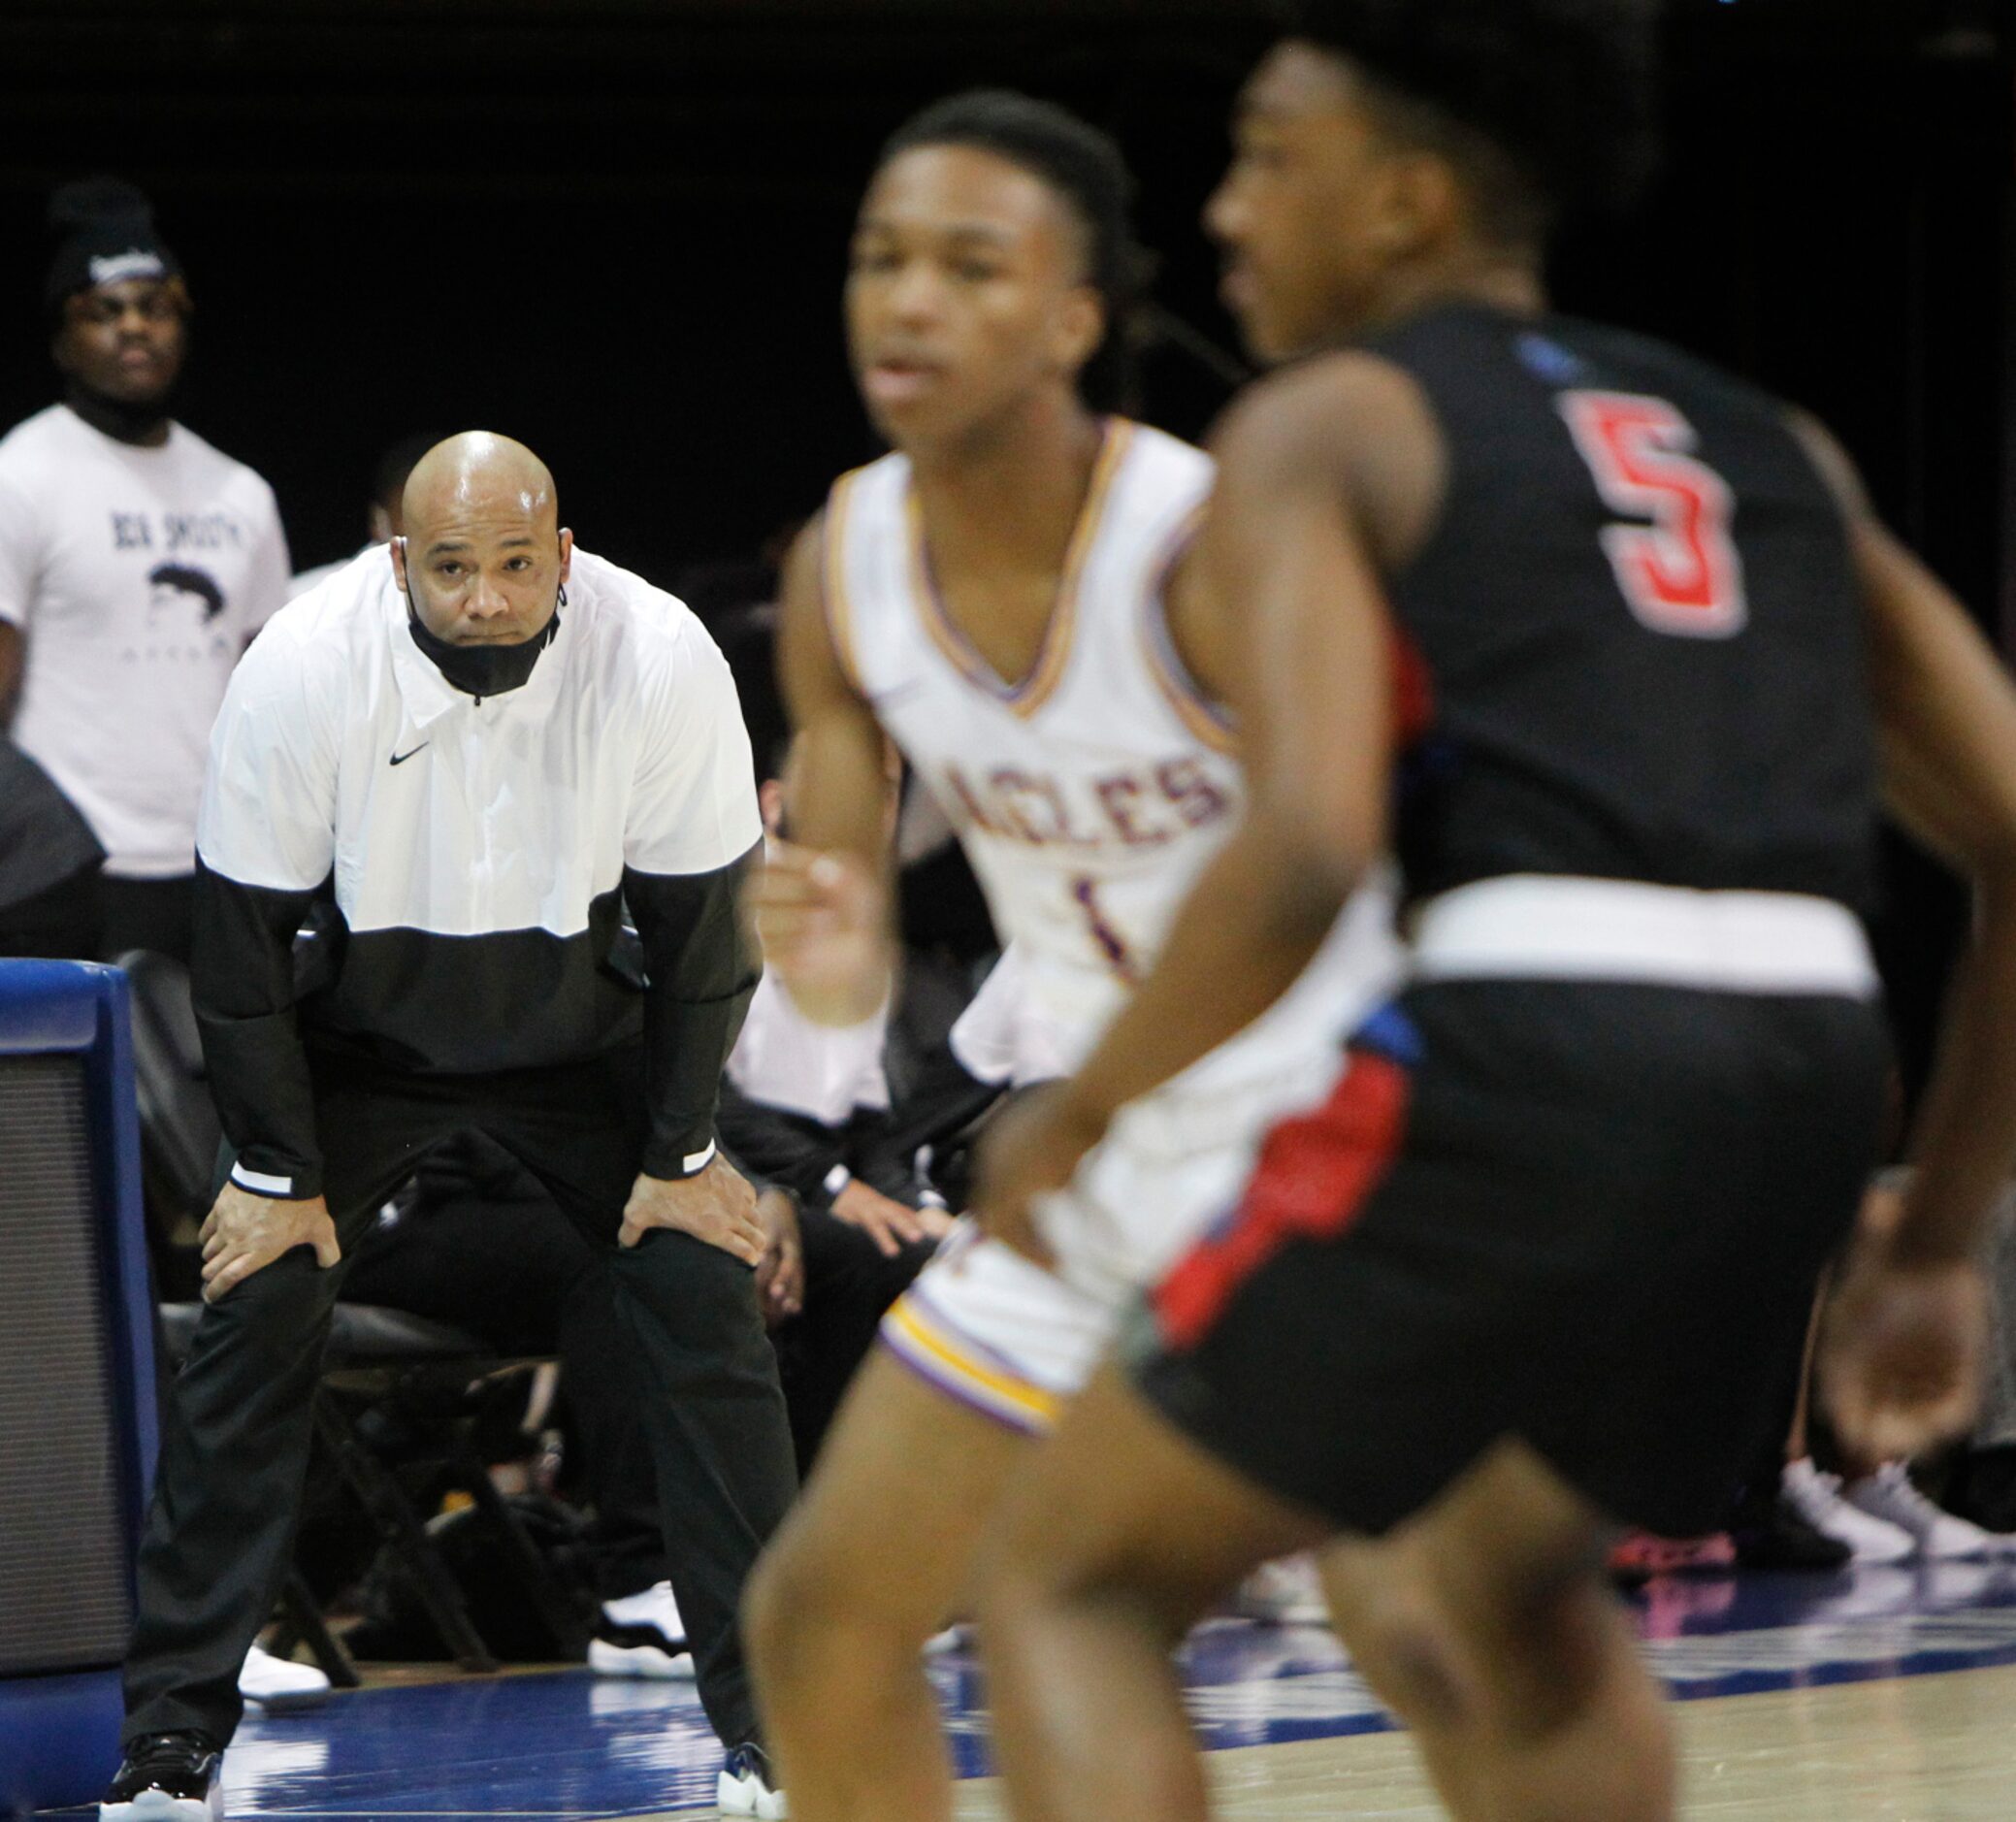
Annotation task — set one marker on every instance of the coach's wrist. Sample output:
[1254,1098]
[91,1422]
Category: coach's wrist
[274,1179]
[674,1160]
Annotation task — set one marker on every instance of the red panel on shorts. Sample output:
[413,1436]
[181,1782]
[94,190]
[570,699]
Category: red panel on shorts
[1315,1174]
[1414,690]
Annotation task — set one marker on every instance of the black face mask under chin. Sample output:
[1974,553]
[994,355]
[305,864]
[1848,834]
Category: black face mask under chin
[481,670]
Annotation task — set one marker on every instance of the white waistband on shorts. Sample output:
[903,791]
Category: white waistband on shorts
[1537,927]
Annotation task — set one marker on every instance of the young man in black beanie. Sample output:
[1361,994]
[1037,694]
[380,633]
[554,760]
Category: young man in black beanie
[136,561]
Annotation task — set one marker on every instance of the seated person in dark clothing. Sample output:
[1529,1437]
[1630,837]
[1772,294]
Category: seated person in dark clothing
[807,1106]
[475,1241]
[49,864]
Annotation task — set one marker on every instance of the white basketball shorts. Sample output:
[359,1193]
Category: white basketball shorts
[998,1333]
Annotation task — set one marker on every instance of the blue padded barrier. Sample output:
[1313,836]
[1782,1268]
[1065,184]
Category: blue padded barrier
[77,1422]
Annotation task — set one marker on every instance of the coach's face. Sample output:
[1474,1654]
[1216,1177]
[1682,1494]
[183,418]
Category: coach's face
[483,559]
[1319,209]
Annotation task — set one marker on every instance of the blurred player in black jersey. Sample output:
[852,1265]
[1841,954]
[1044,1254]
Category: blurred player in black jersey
[1639,658]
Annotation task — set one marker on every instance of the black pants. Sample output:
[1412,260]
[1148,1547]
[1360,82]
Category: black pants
[848,1285]
[235,1448]
[153,914]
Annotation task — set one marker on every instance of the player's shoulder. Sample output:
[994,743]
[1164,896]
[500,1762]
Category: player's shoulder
[637,634]
[1163,452]
[868,496]
[1326,410]
[1568,352]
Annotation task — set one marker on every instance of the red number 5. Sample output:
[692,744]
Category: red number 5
[1682,573]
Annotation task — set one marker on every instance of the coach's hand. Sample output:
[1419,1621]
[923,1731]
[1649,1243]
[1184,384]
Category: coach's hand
[246,1232]
[823,920]
[1030,1150]
[1901,1346]
[717,1206]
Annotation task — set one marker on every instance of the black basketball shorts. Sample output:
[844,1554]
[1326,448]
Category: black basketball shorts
[1590,1216]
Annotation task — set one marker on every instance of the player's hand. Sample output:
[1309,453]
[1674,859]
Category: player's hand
[823,919]
[1902,1346]
[717,1205]
[1029,1151]
[890,1224]
[780,1277]
[245,1233]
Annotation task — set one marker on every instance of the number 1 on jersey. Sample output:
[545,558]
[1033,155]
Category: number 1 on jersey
[1111,945]
[1681,573]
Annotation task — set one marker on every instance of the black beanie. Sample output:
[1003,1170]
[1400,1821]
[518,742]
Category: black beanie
[104,233]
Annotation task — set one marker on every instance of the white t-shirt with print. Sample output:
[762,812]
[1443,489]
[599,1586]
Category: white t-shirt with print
[137,577]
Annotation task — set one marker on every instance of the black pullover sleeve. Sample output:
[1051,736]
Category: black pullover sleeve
[243,981]
[700,966]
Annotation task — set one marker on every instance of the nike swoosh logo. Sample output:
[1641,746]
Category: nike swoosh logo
[399,758]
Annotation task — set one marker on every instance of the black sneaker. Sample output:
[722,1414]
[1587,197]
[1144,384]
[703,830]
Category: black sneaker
[1779,1537]
[747,1789]
[167,1777]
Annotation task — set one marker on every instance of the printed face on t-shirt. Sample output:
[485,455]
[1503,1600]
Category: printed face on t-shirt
[181,599]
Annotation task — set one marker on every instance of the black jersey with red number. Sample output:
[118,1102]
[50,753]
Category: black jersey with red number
[1637,620]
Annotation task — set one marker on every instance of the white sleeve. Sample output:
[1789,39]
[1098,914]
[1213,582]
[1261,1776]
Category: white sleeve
[270,573]
[269,797]
[692,800]
[985,1037]
[20,555]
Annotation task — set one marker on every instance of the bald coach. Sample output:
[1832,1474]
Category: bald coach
[464,757]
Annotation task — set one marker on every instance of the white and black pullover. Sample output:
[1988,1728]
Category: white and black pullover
[476,855]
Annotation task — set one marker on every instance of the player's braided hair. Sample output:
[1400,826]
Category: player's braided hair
[1546,106]
[1086,168]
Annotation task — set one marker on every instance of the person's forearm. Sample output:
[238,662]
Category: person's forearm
[1963,1143]
[702,969]
[1251,925]
[243,985]
[14,660]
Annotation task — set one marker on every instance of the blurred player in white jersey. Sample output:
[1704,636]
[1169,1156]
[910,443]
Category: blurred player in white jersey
[1004,596]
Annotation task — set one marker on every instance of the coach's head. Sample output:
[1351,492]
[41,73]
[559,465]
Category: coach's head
[484,560]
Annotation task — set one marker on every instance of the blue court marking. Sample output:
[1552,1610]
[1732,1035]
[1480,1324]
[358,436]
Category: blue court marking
[567,1745]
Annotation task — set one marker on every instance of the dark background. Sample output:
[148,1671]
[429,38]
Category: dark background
[614,228]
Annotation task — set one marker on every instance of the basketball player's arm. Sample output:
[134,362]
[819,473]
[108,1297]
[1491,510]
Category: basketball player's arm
[1291,543]
[822,905]
[13,661]
[1909,1323]
[1946,719]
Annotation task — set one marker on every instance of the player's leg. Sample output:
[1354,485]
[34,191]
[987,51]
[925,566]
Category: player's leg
[874,1559]
[1121,1534]
[1489,1625]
